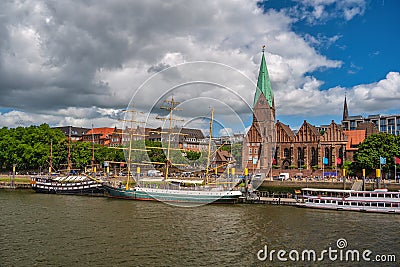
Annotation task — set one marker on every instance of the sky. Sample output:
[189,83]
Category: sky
[81,62]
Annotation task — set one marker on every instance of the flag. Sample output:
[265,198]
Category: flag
[338,161]
[396,160]
[274,161]
[325,161]
[382,160]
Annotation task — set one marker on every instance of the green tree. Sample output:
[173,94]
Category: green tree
[375,146]
[237,153]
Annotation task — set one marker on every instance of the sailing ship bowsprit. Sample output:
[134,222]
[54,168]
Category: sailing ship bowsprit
[170,190]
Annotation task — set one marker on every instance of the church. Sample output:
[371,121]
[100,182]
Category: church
[271,146]
[259,143]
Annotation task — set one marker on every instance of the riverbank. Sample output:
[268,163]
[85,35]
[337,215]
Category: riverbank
[17,182]
[280,187]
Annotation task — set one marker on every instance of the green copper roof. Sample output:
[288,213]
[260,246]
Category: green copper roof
[263,83]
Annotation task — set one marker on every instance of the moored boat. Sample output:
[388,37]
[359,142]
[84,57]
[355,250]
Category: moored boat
[379,200]
[67,185]
[173,190]
[178,194]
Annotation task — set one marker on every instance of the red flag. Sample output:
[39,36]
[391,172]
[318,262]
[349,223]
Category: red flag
[274,161]
[338,161]
[396,160]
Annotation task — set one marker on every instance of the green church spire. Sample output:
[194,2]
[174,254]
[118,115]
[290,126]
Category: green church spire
[263,83]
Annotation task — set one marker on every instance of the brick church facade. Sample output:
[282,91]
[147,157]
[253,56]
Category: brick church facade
[274,146]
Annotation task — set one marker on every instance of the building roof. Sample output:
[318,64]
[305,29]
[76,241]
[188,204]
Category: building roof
[104,132]
[74,131]
[263,84]
[191,133]
[287,129]
[354,138]
[223,155]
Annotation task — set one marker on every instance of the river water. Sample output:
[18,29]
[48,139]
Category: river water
[55,230]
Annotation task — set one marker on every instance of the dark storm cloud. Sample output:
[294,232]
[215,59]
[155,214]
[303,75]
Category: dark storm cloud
[158,68]
[66,44]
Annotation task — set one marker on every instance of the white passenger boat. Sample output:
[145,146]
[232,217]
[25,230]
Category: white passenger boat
[379,200]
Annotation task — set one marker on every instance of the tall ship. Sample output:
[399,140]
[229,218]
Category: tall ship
[68,184]
[379,200]
[169,189]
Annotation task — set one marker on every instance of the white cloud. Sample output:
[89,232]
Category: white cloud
[319,11]
[225,132]
[77,63]
[309,100]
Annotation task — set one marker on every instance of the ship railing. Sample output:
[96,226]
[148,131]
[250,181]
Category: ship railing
[274,195]
[184,188]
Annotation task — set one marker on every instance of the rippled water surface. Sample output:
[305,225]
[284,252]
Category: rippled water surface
[55,230]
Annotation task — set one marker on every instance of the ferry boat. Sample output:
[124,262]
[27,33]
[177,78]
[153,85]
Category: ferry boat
[379,200]
[67,185]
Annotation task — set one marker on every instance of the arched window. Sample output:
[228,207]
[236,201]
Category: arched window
[300,157]
[341,155]
[328,155]
[314,156]
[286,153]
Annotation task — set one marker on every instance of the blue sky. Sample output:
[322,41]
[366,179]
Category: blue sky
[367,45]
[80,63]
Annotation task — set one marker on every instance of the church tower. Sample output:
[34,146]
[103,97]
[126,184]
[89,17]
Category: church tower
[259,143]
[345,110]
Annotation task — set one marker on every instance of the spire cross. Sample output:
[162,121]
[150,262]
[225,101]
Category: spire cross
[263,48]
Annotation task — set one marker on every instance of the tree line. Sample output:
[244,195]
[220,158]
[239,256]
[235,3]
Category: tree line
[29,149]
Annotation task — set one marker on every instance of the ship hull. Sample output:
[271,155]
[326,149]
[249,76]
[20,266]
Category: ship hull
[377,201]
[181,196]
[83,188]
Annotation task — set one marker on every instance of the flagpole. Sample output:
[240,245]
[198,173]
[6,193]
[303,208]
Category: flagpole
[380,172]
[395,174]
[336,169]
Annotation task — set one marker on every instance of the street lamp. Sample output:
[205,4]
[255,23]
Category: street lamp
[13,176]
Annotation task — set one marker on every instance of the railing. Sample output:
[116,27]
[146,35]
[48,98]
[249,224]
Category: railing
[274,195]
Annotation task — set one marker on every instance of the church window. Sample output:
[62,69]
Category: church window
[250,150]
[286,153]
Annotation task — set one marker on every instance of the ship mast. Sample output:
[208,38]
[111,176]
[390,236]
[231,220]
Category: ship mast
[69,151]
[209,144]
[51,156]
[92,150]
[171,106]
[131,134]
